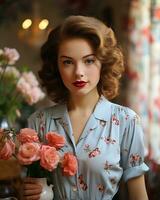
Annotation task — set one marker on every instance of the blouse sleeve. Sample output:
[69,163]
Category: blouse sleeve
[132,149]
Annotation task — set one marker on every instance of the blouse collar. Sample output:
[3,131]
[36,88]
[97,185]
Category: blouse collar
[100,112]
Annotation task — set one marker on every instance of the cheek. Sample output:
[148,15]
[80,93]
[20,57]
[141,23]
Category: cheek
[95,74]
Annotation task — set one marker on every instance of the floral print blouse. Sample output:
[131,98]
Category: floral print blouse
[109,148]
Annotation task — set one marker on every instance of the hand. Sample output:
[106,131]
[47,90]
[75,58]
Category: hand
[32,189]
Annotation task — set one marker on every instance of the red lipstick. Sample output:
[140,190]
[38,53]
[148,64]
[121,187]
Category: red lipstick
[79,84]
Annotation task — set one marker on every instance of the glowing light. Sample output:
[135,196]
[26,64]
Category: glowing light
[43,24]
[26,24]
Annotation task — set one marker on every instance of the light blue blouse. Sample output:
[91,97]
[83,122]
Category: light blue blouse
[110,148]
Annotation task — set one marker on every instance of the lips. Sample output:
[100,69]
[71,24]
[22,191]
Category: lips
[79,84]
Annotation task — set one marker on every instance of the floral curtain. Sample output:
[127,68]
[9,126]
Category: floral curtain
[144,70]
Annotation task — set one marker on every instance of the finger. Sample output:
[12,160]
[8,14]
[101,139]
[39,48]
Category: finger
[30,180]
[32,191]
[33,197]
[32,186]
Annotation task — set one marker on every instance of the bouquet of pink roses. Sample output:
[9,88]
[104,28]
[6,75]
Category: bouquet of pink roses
[40,158]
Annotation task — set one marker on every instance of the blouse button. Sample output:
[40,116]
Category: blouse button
[74,188]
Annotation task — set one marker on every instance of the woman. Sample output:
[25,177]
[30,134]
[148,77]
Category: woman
[82,65]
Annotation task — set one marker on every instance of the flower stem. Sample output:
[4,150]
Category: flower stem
[14,98]
[3,72]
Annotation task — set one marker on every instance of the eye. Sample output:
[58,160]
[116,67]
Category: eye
[90,61]
[67,62]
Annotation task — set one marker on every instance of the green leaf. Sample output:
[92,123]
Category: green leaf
[35,170]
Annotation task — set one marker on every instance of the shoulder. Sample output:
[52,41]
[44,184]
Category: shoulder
[109,111]
[124,112]
[52,111]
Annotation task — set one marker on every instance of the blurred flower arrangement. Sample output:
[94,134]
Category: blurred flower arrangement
[16,85]
[39,157]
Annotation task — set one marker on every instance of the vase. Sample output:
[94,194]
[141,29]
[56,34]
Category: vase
[47,191]
[4,124]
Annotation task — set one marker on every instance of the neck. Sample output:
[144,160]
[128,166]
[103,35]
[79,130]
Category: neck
[83,103]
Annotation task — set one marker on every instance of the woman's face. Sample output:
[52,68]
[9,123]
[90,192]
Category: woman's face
[78,66]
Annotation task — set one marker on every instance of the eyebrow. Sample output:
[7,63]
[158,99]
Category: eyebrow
[72,58]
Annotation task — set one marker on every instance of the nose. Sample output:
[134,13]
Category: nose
[79,70]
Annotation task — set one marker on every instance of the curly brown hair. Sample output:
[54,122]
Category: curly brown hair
[104,44]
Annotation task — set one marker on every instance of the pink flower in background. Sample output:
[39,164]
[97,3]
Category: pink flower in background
[23,86]
[28,153]
[49,157]
[11,55]
[30,78]
[69,164]
[19,86]
[27,135]
[29,88]
[10,72]
[55,139]
[34,95]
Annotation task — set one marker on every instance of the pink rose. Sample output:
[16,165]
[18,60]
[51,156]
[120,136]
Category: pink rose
[29,88]
[11,55]
[11,72]
[49,157]
[69,164]
[30,78]
[22,86]
[7,150]
[56,140]
[28,153]
[27,135]
[34,95]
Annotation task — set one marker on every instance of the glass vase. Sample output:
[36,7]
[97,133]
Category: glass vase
[4,124]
